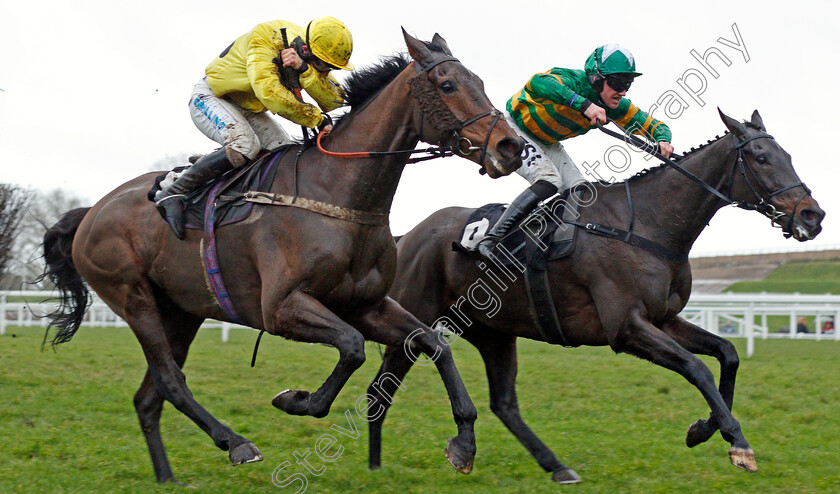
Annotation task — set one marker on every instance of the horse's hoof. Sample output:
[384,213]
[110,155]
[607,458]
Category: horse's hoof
[743,458]
[698,432]
[460,457]
[292,401]
[245,453]
[566,476]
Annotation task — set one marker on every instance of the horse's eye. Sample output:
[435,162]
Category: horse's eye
[761,159]
[447,86]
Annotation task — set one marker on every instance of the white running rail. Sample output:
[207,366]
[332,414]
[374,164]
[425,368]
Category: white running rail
[736,315]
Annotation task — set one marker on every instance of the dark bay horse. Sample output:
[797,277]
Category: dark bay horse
[607,292]
[292,272]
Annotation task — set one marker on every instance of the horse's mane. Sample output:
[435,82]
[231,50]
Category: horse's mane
[692,151]
[362,84]
[685,155]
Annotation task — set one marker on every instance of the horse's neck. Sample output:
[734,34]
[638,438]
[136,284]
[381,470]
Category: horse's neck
[676,209]
[383,124]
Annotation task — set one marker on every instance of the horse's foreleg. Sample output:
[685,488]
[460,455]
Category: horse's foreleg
[499,354]
[303,318]
[142,316]
[389,323]
[699,341]
[646,341]
[395,365]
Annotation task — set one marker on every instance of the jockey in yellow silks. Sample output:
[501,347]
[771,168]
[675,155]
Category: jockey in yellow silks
[231,103]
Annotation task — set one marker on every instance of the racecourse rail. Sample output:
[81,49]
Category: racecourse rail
[731,315]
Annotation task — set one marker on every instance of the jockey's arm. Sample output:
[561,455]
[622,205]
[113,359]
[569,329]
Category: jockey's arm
[323,88]
[641,123]
[265,82]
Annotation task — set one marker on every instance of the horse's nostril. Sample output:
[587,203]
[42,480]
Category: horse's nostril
[810,216]
[510,148]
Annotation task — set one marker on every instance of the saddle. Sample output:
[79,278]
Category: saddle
[545,235]
[227,193]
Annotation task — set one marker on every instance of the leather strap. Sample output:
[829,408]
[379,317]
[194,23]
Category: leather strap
[539,296]
[323,208]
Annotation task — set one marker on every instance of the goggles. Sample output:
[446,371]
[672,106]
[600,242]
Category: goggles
[619,84]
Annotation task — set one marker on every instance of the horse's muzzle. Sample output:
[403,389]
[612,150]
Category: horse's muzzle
[807,220]
[505,157]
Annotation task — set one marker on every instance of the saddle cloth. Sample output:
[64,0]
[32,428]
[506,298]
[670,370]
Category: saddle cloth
[543,236]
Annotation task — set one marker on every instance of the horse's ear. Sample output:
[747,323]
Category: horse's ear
[438,40]
[733,125]
[757,121]
[417,49]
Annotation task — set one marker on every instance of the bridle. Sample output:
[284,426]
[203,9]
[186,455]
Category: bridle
[464,146]
[762,205]
[447,125]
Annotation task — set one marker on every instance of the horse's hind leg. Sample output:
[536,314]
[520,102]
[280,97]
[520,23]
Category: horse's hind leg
[302,318]
[646,341]
[699,341]
[392,325]
[149,403]
[145,320]
[499,354]
[395,365]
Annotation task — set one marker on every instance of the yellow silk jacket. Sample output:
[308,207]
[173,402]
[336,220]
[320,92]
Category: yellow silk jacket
[246,74]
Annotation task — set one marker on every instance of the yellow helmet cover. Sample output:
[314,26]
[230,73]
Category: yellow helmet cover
[331,41]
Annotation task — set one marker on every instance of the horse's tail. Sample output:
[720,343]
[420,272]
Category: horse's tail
[59,269]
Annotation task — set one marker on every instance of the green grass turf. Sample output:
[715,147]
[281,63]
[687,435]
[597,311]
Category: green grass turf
[69,424]
[803,277]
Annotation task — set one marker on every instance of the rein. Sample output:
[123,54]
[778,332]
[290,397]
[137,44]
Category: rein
[464,146]
[762,206]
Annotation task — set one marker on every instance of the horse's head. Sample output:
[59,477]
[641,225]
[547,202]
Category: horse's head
[764,178]
[454,110]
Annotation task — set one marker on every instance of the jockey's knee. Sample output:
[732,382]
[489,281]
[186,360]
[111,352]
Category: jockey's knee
[236,158]
[241,144]
[543,189]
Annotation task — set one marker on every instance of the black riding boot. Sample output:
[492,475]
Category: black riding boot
[171,199]
[515,212]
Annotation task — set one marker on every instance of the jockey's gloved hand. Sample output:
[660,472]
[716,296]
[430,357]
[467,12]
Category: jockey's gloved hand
[326,124]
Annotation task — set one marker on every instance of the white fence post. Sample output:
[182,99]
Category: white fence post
[3,313]
[749,319]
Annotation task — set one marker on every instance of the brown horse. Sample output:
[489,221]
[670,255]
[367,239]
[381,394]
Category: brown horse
[293,272]
[607,292]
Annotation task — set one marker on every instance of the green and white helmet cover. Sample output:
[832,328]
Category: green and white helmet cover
[611,59]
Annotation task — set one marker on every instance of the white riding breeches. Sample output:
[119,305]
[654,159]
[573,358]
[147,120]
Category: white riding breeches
[240,131]
[550,163]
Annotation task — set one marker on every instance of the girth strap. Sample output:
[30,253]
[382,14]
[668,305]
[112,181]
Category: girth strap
[539,297]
